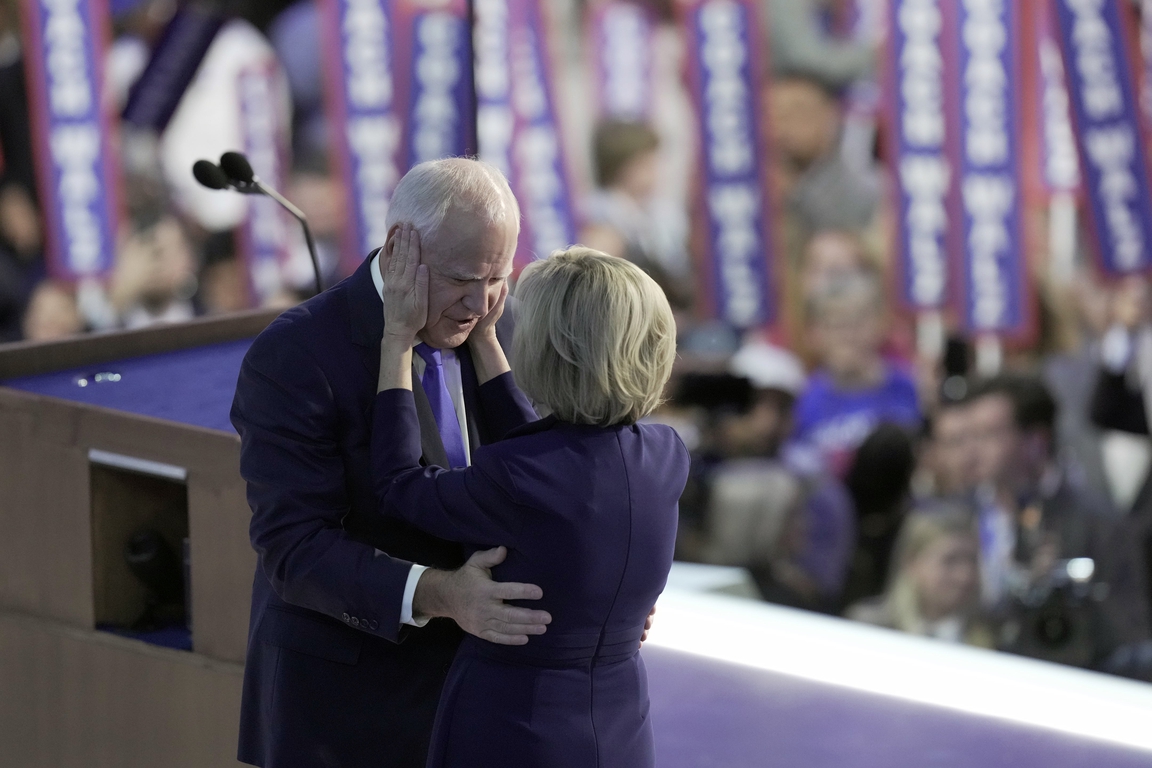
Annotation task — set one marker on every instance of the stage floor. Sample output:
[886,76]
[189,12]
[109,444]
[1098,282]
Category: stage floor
[742,684]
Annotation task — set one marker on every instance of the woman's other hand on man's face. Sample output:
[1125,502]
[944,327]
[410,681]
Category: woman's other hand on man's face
[405,285]
[485,330]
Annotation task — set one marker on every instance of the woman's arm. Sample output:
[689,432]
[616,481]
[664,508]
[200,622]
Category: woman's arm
[487,354]
[470,505]
[504,407]
[456,505]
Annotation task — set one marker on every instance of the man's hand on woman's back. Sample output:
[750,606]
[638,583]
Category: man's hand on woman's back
[473,600]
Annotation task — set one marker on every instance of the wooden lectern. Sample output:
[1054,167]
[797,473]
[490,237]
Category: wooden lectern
[76,478]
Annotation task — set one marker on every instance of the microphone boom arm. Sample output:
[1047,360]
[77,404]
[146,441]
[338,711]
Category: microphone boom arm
[300,217]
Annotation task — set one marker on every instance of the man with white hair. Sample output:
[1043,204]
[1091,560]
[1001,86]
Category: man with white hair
[344,668]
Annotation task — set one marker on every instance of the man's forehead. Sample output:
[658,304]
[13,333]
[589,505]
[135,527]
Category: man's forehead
[471,250]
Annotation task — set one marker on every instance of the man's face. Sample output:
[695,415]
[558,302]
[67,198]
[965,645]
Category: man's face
[468,263]
[997,440]
[804,121]
[953,450]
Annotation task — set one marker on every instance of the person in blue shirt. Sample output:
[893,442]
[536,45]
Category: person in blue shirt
[854,388]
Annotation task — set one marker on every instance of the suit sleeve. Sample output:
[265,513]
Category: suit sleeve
[286,416]
[469,505]
[504,407]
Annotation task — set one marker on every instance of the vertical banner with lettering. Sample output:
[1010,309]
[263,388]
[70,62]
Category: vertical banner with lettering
[1060,166]
[434,79]
[540,172]
[65,44]
[495,123]
[516,122]
[365,130]
[1105,111]
[264,236]
[915,100]
[725,60]
[984,110]
[621,33]
[1146,56]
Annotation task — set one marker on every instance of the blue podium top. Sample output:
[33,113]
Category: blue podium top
[190,386]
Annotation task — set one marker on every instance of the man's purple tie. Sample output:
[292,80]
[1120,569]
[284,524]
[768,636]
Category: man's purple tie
[442,408]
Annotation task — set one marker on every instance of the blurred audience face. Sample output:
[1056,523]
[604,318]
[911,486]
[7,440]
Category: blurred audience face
[946,575]
[469,262]
[804,120]
[1005,455]
[639,176]
[222,287]
[52,313]
[826,255]
[995,437]
[155,266]
[952,454]
[847,334]
[321,198]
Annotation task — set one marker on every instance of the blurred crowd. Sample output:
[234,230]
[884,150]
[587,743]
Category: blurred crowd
[853,465]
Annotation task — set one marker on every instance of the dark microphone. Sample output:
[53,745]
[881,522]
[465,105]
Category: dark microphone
[237,167]
[210,175]
[236,172]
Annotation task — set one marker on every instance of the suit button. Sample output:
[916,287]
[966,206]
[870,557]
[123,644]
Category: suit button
[355,621]
[346,617]
[373,624]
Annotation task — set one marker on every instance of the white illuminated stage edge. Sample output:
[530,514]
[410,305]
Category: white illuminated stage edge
[740,682]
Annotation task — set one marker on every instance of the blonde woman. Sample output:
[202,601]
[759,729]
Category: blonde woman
[585,500]
[935,588]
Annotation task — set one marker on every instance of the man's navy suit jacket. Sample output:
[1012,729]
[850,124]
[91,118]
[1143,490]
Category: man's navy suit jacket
[332,679]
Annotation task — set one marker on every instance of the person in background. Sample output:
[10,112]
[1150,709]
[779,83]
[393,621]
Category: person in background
[154,278]
[1121,396]
[854,388]
[791,524]
[947,458]
[1034,517]
[825,255]
[817,189]
[934,590]
[52,313]
[626,217]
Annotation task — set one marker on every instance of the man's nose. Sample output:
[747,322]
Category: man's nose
[476,299]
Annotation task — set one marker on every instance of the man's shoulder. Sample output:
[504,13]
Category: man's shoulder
[315,322]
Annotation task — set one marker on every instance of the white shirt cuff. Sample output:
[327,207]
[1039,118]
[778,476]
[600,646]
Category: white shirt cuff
[410,592]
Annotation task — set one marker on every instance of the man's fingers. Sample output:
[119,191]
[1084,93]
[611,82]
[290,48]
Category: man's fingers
[503,639]
[507,628]
[512,590]
[517,615]
[514,615]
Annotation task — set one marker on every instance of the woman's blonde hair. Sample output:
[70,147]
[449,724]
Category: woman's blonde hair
[918,533]
[595,338]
